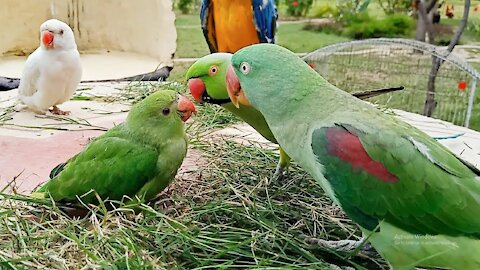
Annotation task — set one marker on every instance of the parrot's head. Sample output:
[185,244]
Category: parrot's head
[267,75]
[206,78]
[162,108]
[55,34]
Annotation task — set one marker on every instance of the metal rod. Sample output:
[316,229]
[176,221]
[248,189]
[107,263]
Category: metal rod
[470,102]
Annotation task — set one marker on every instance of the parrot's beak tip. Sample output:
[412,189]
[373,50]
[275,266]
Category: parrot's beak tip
[186,108]
[235,103]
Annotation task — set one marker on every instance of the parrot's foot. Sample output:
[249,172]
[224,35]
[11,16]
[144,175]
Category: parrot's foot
[344,246]
[336,267]
[280,173]
[57,111]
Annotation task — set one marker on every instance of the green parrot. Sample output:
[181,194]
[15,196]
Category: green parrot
[139,157]
[206,82]
[417,202]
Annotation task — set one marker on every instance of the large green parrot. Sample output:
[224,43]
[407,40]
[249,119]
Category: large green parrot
[137,158]
[418,203]
[206,82]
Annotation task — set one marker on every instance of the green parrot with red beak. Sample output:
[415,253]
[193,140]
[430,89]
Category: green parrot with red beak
[418,203]
[137,158]
[206,82]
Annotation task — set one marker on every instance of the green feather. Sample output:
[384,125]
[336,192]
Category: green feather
[137,158]
[435,193]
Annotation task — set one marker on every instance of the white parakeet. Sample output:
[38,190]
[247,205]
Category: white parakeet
[53,71]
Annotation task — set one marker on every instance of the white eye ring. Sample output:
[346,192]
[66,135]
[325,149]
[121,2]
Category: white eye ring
[245,68]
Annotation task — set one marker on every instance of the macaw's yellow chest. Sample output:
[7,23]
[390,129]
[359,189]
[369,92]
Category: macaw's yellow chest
[234,28]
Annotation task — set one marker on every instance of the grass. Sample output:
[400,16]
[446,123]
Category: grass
[296,39]
[225,215]
[191,42]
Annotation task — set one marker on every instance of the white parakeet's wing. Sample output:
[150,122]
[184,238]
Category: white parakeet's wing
[30,75]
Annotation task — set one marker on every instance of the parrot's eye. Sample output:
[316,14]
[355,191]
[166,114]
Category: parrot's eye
[166,111]
[245,68]
[61,32]
[213,70]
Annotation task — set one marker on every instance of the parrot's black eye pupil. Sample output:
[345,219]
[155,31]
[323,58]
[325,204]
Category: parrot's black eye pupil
[213,70]
[166,111]
[61,32]
[245,68]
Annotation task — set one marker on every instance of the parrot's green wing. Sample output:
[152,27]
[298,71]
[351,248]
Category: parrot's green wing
[407,180]
[111,166]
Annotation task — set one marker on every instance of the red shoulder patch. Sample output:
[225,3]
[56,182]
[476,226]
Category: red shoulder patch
[348,148]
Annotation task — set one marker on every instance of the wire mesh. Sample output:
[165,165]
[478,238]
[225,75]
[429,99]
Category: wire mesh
[380,63]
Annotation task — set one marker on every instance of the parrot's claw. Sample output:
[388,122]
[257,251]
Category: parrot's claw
[56,110]
[336,267]
[344,246]
[280,173]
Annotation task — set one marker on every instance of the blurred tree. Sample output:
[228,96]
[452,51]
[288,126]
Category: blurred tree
[427,13]
[298,8]
[348,8]
[437,62]
[395,6]
[184,5]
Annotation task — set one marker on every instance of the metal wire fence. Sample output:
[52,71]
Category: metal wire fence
[379,63]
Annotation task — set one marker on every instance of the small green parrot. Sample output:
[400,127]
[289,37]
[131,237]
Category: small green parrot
[206,82]
[139,157]
[417,202]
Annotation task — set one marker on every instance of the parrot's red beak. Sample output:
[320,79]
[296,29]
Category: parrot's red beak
[185,107]
[47,39]
[197,88]
[234,89]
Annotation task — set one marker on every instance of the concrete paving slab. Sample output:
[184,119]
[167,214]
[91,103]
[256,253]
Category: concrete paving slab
[31,144]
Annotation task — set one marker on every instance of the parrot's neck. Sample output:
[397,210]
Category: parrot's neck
[155,134]
[315,102]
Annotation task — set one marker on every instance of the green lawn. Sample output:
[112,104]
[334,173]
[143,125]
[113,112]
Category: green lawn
[293,37]
[191,43]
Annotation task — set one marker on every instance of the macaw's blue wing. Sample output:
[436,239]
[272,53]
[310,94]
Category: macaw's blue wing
[265,19]
[208,27]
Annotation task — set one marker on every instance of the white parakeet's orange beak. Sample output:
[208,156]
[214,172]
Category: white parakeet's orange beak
[47,39]
[234,89]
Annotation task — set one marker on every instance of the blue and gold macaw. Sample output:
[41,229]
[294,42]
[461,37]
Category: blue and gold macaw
[229,25]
